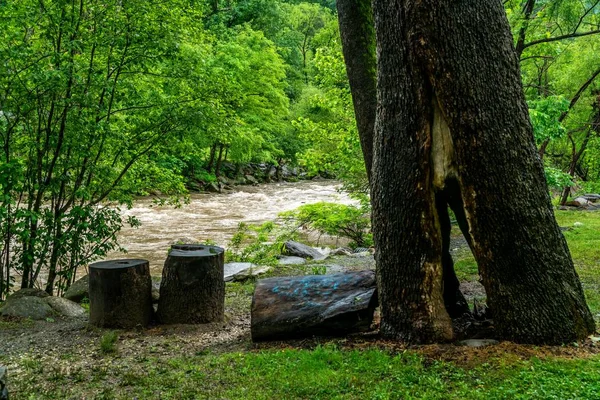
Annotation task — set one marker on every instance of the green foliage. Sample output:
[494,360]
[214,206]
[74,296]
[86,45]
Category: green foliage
[544,113]
[108,342]
[259,244]
[339,220]
[556,178]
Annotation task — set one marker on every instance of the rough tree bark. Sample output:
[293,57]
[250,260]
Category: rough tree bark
[299,306]
[452,128]
[192,290]
[120,294]
[358,38]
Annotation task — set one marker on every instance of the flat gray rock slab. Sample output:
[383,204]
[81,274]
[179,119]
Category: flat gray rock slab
[291,260]
[231,269]
[478,342]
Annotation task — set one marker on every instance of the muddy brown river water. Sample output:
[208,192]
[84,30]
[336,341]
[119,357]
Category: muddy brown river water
[215,217]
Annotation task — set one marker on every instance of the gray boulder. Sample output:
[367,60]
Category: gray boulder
[213,187]
[66,308]
[79,290]
[297,249]
[29,292]
[36,308]
[251,180]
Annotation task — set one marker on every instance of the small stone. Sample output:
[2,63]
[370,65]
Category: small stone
[477,342]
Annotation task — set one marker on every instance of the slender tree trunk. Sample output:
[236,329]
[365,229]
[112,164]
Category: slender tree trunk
[219,161]
[211,158]
[358,43]
[451,111]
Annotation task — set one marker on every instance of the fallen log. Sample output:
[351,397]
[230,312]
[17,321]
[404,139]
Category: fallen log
[328,305]
[120,294]
[192,289]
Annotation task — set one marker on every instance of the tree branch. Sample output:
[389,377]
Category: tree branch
[561,37]
[577,96]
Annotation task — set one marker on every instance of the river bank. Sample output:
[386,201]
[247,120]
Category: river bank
[214,217]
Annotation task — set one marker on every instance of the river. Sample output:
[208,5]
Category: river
[215,217]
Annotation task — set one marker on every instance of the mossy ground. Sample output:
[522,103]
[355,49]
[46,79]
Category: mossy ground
[58,360]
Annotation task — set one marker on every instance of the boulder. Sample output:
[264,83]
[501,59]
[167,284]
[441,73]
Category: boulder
[593,197]
[251,180]
[36,308]
[213,187]
[29,292]
[579,201]
[225,181]
[66,308]
[79,290]
[293,248]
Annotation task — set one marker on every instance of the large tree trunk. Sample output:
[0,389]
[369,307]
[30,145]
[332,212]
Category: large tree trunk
[358,39]
[452,126]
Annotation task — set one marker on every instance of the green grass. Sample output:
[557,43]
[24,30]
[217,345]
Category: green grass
[322,373]
[108,342]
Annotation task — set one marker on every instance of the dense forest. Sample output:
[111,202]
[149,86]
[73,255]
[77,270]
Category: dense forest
[101,102]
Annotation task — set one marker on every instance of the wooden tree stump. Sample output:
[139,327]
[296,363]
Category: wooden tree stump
[120,294]
[291,307]
[192,290]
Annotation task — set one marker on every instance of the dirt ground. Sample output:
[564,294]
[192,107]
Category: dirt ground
[75,344]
